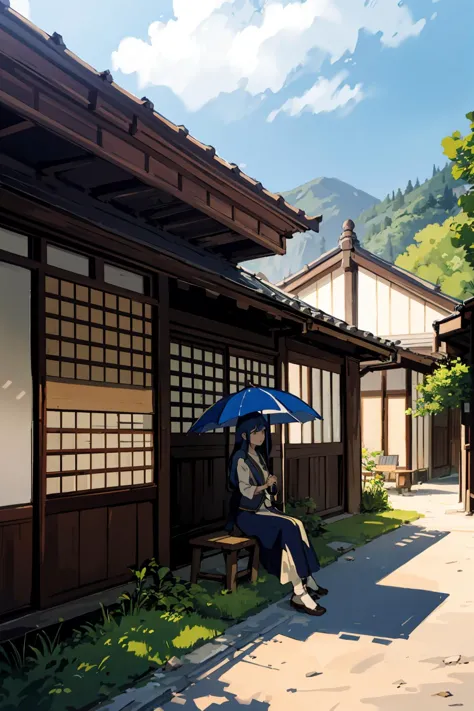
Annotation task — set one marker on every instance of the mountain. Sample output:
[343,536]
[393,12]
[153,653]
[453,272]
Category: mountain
[389,227]
[335,201]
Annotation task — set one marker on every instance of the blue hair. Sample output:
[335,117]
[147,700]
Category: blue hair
[246,425]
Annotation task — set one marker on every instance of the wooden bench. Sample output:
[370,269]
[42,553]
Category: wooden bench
[230,546]
[389,465]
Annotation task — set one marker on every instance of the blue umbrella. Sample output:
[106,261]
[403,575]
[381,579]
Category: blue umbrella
[278,406]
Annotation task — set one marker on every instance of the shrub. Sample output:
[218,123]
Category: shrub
[156,588]
[447,387]
[369,459]
[375,496]
[305,510]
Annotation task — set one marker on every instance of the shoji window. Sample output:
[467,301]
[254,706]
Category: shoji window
[97,450]
[197,381]
[95,336]
[244,370]
[322,390]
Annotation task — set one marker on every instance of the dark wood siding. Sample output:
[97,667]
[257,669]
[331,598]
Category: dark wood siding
[93,545]
[16,559]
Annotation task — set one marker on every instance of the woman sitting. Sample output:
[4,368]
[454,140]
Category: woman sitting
[285,550]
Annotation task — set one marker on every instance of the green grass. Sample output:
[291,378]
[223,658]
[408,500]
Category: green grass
[363,528]
[101,660]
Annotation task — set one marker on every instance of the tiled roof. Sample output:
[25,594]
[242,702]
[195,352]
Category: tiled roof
[179,135]
[276,294]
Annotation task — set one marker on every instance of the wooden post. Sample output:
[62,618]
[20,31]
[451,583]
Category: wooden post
[384,413]
[40,587]
[347,241]
[408,425]
[282,384]
[353,444]
[162,388]
[470,461]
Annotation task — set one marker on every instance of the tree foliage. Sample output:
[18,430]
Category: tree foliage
[461,151]
[434,257]
[447,387]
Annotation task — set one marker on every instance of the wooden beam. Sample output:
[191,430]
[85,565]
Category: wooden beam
[171,209]
[216,239]
[16,128]
[451,325]
[61,166]
[162,389]
[120,190]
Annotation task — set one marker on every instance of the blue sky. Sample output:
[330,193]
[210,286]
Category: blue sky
[360,90]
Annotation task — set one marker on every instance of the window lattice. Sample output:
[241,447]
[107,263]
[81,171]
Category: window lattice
[92,335]
[322,390]
[244,370]
[97,450]
[197,381]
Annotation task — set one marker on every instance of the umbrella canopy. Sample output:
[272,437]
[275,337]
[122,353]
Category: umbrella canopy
[278,406]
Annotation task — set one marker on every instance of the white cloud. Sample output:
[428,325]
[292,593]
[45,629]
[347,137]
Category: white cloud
[21,6]
[325,95]
[217,46]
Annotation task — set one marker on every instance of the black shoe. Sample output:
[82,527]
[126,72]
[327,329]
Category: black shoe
[307,610]
[321,591]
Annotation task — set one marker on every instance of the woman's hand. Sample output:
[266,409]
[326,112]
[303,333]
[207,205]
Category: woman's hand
[271,481]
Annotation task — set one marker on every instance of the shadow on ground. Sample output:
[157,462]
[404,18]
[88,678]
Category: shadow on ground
[359,604]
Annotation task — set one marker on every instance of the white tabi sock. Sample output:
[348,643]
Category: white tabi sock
[298,589]
[312,584]
[308,601]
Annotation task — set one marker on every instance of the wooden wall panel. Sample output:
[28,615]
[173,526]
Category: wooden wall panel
[93,546]
[16,561]
[122,552]
[96,398]
[145,528]
[318,477]
[199,496]
[62,552]
[333,484]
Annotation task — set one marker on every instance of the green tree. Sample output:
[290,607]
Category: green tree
[431,202]
[393,195]
[447,387]
[399,200]
[447,201]
[387,222]
[434,257]
[417,184]
[435,171]
[461,151]
[409,188]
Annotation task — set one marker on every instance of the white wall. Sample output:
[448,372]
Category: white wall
[15,386]
[387,310]
[326,294]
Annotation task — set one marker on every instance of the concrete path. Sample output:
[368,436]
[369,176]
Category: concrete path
[398,631]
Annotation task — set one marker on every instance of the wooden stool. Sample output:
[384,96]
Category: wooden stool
[230,546]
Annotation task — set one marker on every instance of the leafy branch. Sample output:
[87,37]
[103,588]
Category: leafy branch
[447,387]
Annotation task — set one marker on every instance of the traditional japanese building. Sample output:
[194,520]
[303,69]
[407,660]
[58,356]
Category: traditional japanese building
[378,297]
[123,315]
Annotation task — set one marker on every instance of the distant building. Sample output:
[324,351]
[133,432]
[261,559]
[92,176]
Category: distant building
[380,298]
